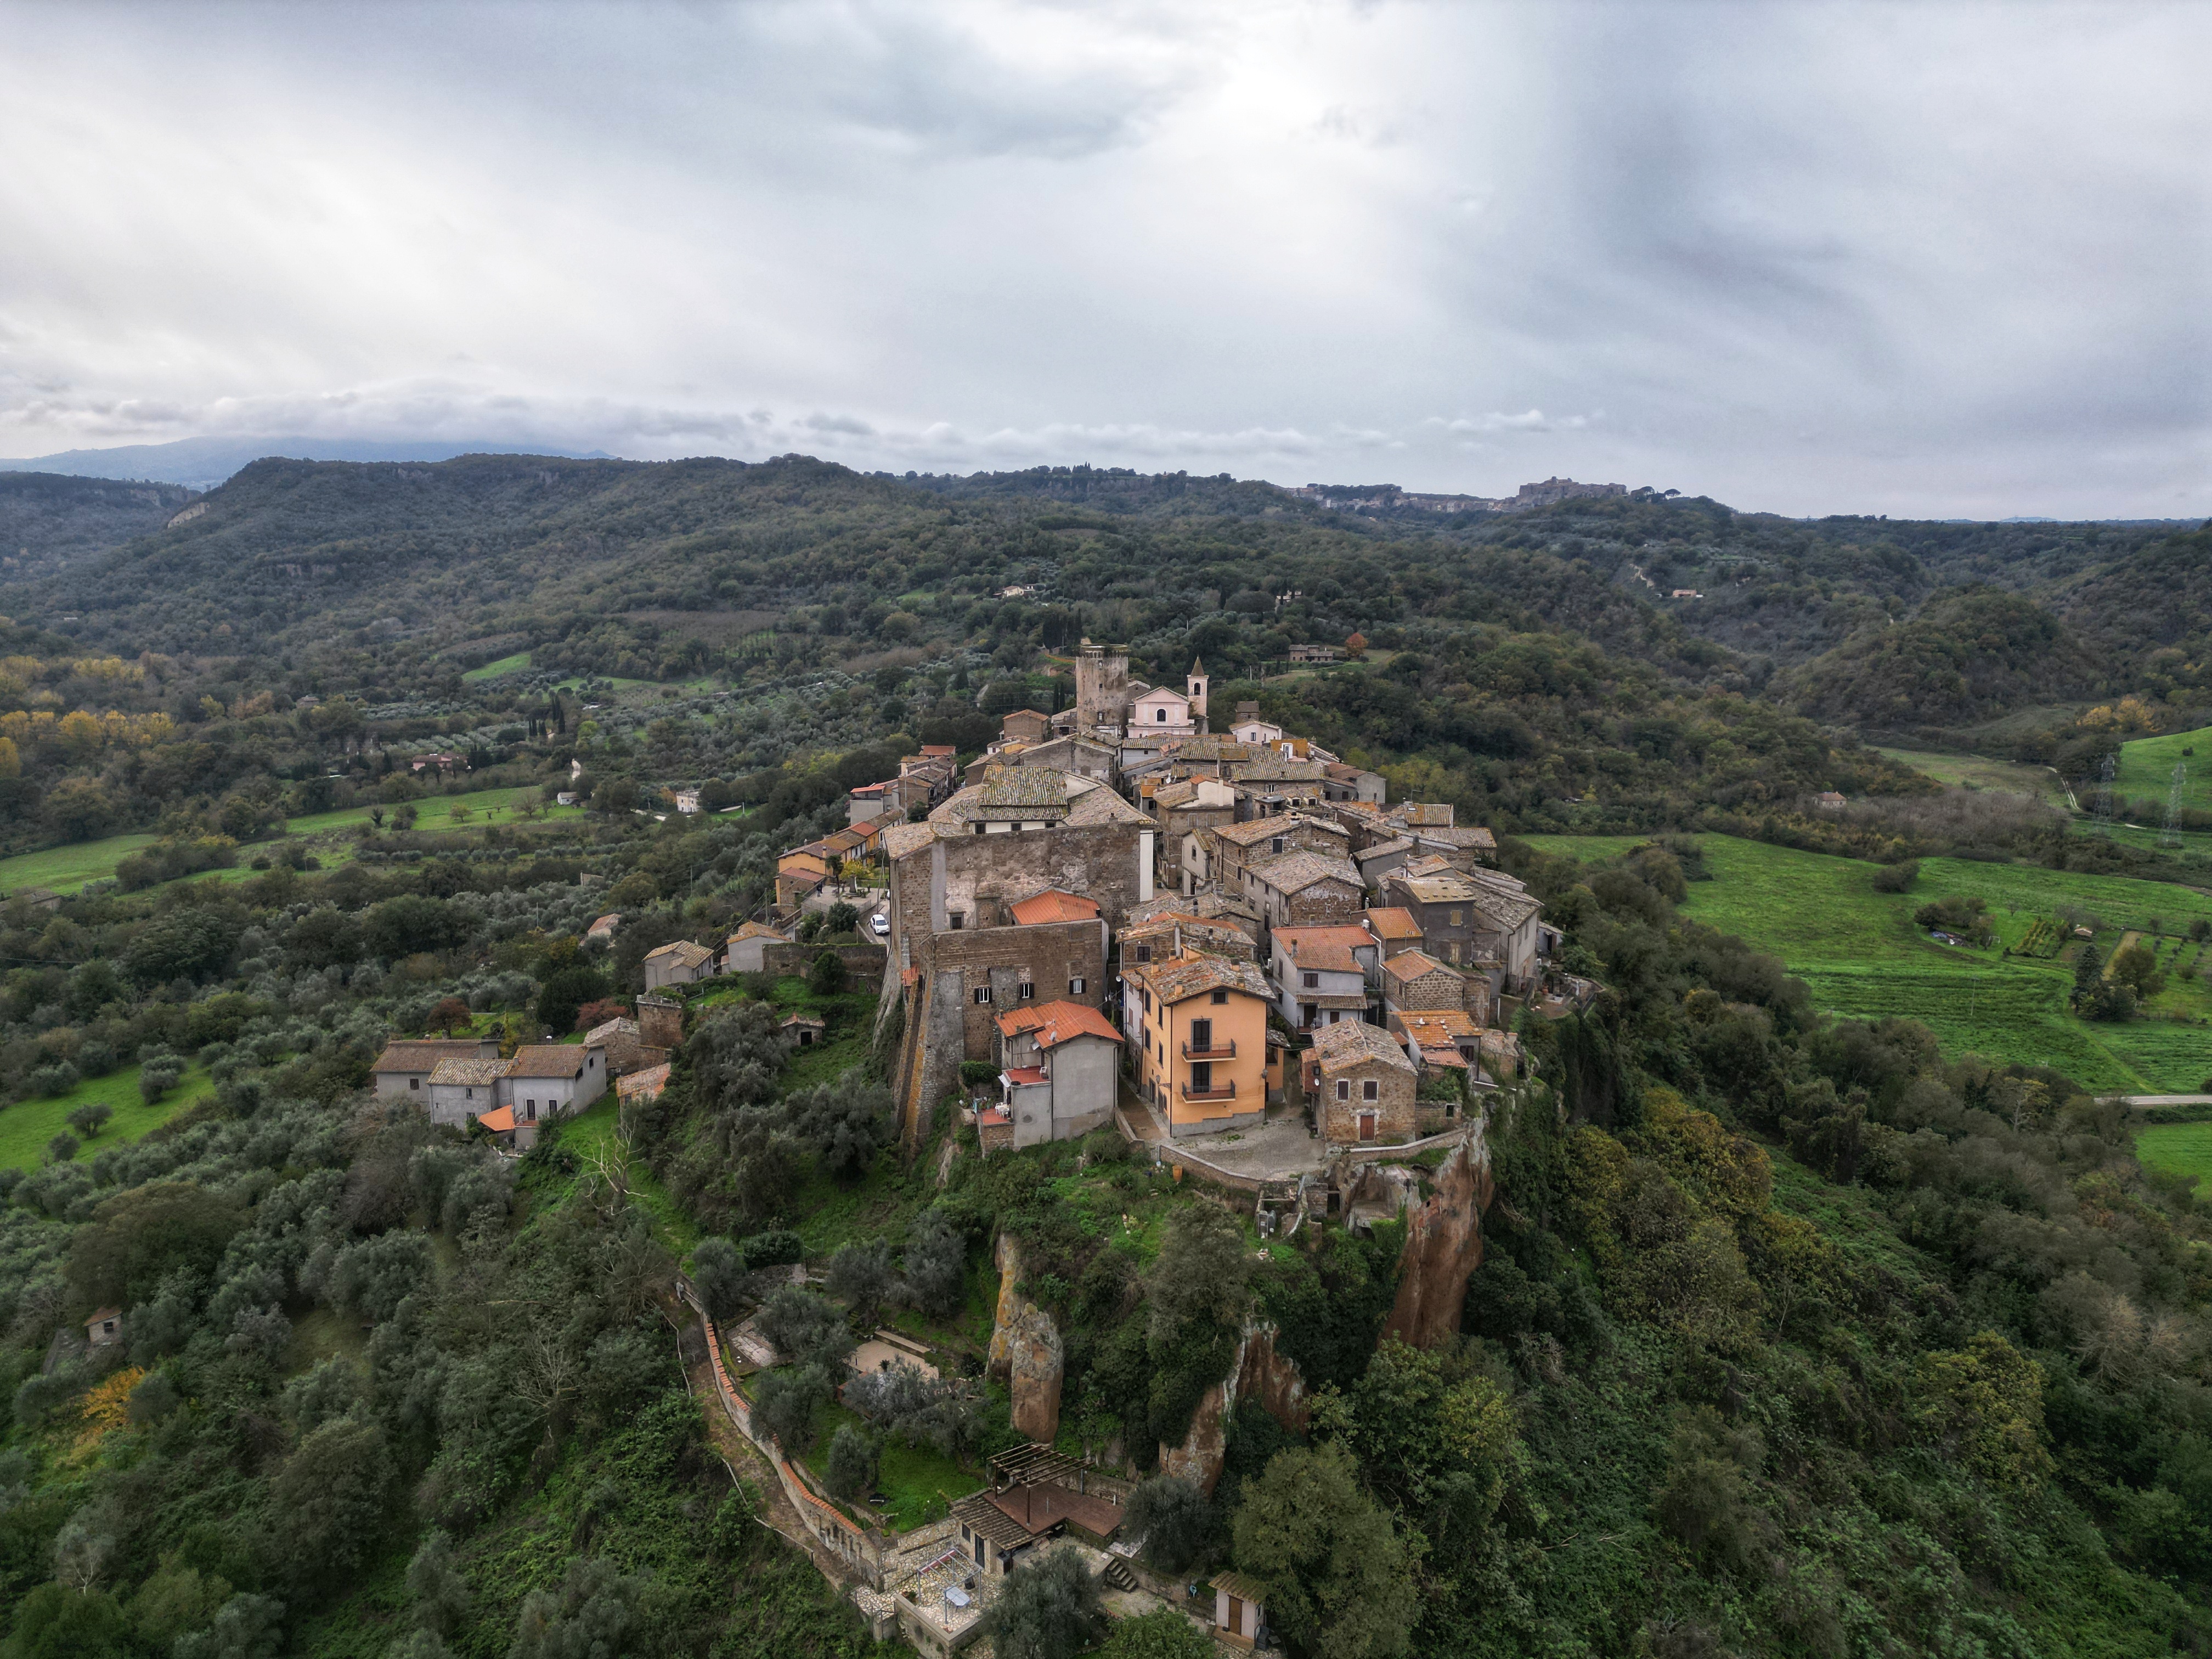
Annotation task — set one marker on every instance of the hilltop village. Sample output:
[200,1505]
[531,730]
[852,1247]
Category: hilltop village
[1135,903]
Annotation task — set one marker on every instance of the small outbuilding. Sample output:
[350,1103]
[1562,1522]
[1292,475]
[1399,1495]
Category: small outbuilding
[104,1329]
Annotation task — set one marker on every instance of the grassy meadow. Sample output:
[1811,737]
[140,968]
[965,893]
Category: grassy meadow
[66,869]
[2178,1148]
[28,1125]
[1861,956]
[2146,769]
[1980,772]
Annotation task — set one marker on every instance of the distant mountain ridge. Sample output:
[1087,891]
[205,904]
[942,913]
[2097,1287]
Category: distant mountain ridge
[203,463]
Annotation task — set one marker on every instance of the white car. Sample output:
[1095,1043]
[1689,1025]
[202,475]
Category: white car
[880,925]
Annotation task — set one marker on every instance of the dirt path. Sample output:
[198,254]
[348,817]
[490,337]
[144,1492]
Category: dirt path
[742,1456]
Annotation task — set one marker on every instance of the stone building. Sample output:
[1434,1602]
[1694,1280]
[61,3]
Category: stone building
[404,1068]
[1362,1084]
[1301,889]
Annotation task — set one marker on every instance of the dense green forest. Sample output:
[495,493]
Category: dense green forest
[1793,1334]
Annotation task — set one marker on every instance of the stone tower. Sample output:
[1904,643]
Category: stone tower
[1194,688]
[1102,690]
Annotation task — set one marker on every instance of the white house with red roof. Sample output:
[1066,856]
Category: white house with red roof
[1058,1067]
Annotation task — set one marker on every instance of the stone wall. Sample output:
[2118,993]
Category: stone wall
[945,1024]
[862,962]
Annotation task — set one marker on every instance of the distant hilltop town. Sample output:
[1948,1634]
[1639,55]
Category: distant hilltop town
[1382,497]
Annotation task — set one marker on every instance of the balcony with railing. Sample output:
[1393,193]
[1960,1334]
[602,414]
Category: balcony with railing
[1210,1050]
[1213,1091]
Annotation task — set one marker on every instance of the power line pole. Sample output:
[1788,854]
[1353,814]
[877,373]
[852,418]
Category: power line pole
[2172,834]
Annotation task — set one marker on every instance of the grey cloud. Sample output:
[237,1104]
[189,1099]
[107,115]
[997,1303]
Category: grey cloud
[1939,258]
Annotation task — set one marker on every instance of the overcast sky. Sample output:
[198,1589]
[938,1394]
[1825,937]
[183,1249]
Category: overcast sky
[1910,259]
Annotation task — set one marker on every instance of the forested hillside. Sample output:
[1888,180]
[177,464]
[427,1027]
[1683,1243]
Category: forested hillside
[1792,1335]
[48,522]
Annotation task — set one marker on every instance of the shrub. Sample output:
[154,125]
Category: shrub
[1050,1610]
[826,977]
[784,1401]
[89,1119]
[772,1249]
[62,1147]
[1897,877]
[55,1079]
[1174,1518]
[936,1263]
[852,1463]
[716,1270]
[158,1073]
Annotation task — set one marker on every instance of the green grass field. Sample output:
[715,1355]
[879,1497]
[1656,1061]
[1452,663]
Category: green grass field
[66,869]
[2145,769]
[492,671]
[590,1133]
[1980,772]
[919,1482]
[1861,956]
[2178,1148]
[28,1125]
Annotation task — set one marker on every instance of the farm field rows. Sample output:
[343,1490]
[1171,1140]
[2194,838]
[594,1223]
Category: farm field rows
[1861,955]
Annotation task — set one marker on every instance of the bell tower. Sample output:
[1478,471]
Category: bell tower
[1194,688]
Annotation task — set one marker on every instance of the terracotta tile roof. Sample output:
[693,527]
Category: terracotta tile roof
[1102,806]
[1448,836]
[901,839]
[1190,976]
[1023,1075]
[1028,788]
[476,1073]
[1441,1026]
[1213,746]
[1293,872]
[1326,950]
[1275,768]
[425,1055]
[1427,813]
[1055,904]
[548,1060]
[758,930]
[1413,964]
[1384,848]
[1355,1043]
[1393,922]
[1057,1022]
[650,1081]
[813,1022]
[683,951]
[600,1036]
[1252,831]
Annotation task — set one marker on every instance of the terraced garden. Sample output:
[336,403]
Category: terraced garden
[1862,957]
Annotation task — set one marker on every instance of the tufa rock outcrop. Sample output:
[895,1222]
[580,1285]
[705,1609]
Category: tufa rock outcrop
[1026,1352]
[1257,1372]
[1444,1247]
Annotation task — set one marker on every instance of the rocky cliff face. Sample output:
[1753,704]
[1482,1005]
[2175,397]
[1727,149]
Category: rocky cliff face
[1257,1372]
[1026,1352]
[1444,1247]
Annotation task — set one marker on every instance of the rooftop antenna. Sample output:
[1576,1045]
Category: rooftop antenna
[2105,774]
[2171,835]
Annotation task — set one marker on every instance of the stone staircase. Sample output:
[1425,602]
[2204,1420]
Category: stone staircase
[1117,1576]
